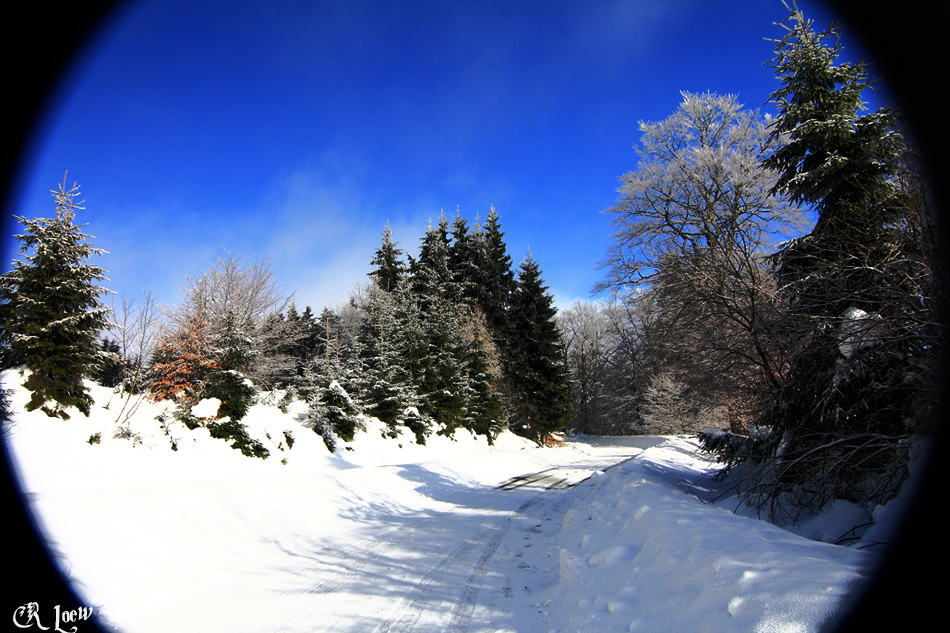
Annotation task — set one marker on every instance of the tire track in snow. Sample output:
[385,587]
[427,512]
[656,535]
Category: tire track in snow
[434,588]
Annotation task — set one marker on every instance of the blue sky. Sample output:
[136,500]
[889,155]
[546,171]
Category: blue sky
[297,130]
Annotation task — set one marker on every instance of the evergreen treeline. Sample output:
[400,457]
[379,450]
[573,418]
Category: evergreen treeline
[450,339]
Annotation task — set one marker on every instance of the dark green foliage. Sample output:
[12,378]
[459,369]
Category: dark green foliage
[232,347]
[231,430]
[387,401]
[4,408]
[235,392]
[111,370]
[52,315]
[844,165]
[431,343]
[162,420]
[233,353]
[320,426]
[334,406]
[183,414]
[861,289]
[464,260]
[483,362]
[388,267]
[735,449]
[494,278]
[389,353]
[431,274]
[536,363]
[418,424]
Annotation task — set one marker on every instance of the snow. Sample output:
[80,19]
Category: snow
[388,535]
[857,331]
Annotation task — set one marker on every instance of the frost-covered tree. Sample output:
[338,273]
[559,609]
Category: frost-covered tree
[52,314]
[666,407]
[135,328]
[464,261]
[431,273]
[483,410]
[243,299]
[691,229]
[603,388]
[387,374]
[232,350]
[332,413]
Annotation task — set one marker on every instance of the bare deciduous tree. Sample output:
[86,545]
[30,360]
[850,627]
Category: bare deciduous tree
[692,226]
[249,292]
[240,300]
[135,327]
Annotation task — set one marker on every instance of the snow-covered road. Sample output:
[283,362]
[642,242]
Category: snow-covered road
[471,565]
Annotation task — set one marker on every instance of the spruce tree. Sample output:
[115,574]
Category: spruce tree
[840,162]
[861,318]
[386,388]
[483,384]
[438,372]
[464,261]
[233,352]
[496,280]
[536,362]
[431,273]
[388,267]
[110,372]
[52,311]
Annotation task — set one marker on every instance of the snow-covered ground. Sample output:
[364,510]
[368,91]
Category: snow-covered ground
[386,535]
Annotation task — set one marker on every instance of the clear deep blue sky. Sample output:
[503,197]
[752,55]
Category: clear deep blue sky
[298,129]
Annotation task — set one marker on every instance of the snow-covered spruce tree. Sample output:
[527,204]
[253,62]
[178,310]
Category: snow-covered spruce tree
[494,278]
[536,363]
[443,380]
[464,260]
[431,275]
[232,350]
[333,413]
[859,287]
[52,313]
[110,372]
[388,266]
[386,383]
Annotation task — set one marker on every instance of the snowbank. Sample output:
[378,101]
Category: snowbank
[641,552]
[203,538]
